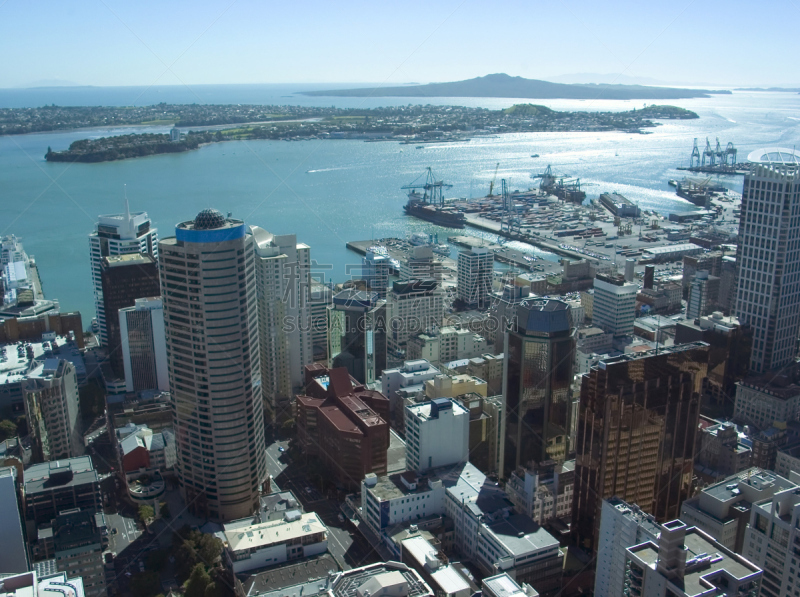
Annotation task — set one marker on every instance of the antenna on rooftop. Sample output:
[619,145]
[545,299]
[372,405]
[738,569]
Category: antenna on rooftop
[127,207]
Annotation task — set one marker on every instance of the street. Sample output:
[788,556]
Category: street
[345,543]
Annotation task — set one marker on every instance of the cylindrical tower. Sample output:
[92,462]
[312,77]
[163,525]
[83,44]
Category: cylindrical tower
[211,323]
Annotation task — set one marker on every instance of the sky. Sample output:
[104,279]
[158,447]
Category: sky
[174,42]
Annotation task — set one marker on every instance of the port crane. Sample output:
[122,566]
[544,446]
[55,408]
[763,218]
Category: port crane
[694,161]
[511,222]
[494,178]
[710,154]
[432,189]
[565,188]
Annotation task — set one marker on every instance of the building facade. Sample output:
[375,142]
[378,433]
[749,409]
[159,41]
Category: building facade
[637,424]
[540,352]
[144,345]
[119,234]
[357,334]
[437,434]
[50,392]
[768,257]
[211,321]
[614,304]
[283,278]
[124,279]
[413,307]
[474,284]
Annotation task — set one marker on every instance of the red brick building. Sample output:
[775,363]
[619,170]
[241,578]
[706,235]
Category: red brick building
[344,424]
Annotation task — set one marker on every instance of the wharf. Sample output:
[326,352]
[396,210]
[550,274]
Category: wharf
[738,170]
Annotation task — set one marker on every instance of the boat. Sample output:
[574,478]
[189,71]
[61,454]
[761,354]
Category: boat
[430,204]
[535,155]
[420,146]
[673,183]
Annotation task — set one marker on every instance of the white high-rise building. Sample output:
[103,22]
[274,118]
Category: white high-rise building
[375,271]
[208,281]
[622,525]
[283,274]
[768,257]
[474,283]
[437,434]
[118,234]
[772,541]
[144,345]
[412,307]
[614,304]
[421,264]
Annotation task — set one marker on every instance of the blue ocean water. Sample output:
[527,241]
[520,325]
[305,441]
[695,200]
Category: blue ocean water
[331,192]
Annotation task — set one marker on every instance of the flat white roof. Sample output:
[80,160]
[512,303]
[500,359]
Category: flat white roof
[273,532]
[774,155]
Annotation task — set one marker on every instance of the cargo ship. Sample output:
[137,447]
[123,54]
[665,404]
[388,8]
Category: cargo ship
[430,204]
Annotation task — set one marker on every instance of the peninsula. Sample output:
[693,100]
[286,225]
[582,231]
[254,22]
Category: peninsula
[503,85]
[406,124]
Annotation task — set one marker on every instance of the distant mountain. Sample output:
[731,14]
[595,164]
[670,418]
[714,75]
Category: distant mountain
[502,85]
[789,89]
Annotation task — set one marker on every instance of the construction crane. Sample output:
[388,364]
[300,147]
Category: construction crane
[694,161]
[730,150]
[432,189]
[491,184]
[511,223]
[709,153]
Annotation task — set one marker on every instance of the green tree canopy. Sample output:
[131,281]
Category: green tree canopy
[198,581]
[7,430]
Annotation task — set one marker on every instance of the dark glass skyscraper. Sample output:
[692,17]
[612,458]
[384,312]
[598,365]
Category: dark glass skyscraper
[637,422]
[540,349]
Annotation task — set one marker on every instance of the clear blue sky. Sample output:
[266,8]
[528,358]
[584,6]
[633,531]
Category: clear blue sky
[110,42]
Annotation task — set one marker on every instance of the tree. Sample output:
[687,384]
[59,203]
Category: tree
[146,513]
[146,584]
[7,429]
[209,548]
[156,561]
[198,581]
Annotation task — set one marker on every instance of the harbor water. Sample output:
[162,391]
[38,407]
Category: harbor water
[333,191]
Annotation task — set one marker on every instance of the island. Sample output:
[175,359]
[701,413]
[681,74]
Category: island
[404,124]
[503,85]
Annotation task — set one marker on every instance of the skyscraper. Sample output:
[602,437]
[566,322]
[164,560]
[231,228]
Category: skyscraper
[375,271]
[540,349]
[284,317]
[475,270]
[118,234]
[211,320]
[768,257]
[144,345]
[124,278]
[357,334]
[637,421]
[614,305]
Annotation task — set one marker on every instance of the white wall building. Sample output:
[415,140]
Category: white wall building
[421,264]
[621,526]
[250,546]
[723,509]
[772,541]
[686,562]
[447,344]
[543,496]
[283,276]
[768,262]
[614,305]
[375,272]
[119,234]
[412,307]
[144,345]
[437,434]
[763,404]
[474,283]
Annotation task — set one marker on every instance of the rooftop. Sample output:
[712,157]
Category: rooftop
[774,155]
[705,558]
[56,474]
[521,535]
[294,580]
[273,532]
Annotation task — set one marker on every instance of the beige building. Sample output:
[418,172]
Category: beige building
[284,318]
[211,318]
[450,386]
